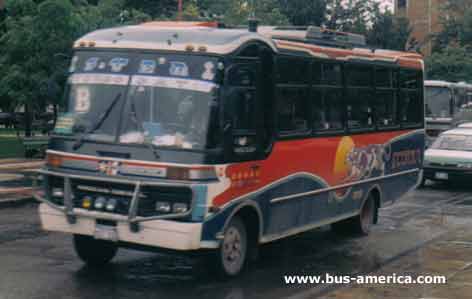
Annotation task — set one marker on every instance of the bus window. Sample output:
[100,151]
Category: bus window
[359,93]
[385,108]
[293,70]
[244,104]
[411,107]
[384,102]
[293,111]
[331,74]
[359,112]
[411,102]
[328,109]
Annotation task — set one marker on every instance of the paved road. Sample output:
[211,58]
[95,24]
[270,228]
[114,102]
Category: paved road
[35,264]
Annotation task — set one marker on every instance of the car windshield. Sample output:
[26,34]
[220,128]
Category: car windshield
[157,99]
[438,102]
[453,142]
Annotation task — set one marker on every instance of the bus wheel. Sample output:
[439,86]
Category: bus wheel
[233,250]
[363,223]
[94,252]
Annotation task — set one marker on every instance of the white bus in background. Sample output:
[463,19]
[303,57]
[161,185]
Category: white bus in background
[447,104]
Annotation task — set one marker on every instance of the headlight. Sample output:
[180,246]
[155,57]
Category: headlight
[111,204]
[163,207]
[100,203]
[57,192]
[178,208]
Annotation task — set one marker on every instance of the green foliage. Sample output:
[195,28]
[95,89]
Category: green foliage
[451,64]
[389,32]
[304,12]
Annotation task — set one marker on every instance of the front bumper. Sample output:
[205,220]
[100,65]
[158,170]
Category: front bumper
[157,233]
[453,174]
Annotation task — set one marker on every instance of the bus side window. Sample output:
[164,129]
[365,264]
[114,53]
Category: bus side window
[293,111]
[358,97]
[411,97]
[327,96]
[327,111]
[385,99]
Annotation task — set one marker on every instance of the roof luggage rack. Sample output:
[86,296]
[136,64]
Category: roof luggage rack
[319,36]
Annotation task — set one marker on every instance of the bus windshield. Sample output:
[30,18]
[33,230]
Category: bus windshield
[170,113]
[438,102]
[162,100]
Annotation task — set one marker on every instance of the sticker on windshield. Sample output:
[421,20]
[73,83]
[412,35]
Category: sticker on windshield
[82,100]
[178,69]
[147,67]
[91,64]
[162,60]
[102,66]
[209,73]
[64,124]
[118,64]
[73,64]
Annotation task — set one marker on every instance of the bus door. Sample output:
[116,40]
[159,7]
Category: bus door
[244,129]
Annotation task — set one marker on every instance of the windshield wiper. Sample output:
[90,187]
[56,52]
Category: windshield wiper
[80,141]
[150,145]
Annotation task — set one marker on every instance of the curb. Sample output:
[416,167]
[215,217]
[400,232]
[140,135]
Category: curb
[16,202]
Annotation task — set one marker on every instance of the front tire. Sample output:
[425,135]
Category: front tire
[93,252]
[232,254]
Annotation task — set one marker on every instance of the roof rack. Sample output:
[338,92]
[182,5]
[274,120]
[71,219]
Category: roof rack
[318,36]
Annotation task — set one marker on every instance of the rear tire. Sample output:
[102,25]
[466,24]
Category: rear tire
[360,224]
[232,254]
[93,252]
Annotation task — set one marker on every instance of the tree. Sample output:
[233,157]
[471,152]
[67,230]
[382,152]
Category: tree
[451,64]
[304,12]
[389,32]
[456,22]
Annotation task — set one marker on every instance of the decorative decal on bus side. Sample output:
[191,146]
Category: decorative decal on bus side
[118,64]
[91,64]
[147,67]
[179,69]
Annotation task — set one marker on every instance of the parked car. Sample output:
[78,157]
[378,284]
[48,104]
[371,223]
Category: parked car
[449,158]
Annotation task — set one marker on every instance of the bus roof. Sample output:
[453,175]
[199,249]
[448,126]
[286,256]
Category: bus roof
[207,37]
[437,83]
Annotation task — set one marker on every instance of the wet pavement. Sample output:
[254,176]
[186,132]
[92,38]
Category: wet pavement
[427,232]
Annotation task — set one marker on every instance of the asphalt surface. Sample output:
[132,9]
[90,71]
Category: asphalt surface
[37,264]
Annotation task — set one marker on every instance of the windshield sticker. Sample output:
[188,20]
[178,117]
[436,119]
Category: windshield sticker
[91,64]
[118,64]
[73,64]
[179,69]
[82,100]
[162,60]
[166,82]
[209,73]
[147,67]
[102,66]
[64,124]
[105,79]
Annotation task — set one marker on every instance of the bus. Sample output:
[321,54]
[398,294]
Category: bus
[446,104]
[190,137]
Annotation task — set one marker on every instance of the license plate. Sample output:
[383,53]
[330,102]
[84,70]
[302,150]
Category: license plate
[107,233]
[441,176]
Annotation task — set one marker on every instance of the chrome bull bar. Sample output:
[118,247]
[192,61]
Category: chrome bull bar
[132,218]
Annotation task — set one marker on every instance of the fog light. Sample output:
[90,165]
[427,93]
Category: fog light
[100,203]
[57,192]
[163,207]
[86,202]
[111,204]
[179,208]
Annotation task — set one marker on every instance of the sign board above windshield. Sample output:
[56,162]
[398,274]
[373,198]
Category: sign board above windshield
[156,64]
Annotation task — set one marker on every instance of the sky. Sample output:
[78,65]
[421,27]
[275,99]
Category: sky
[387,4]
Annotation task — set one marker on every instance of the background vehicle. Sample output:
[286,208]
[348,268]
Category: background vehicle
[186,137]
[449,159]
[447,104]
